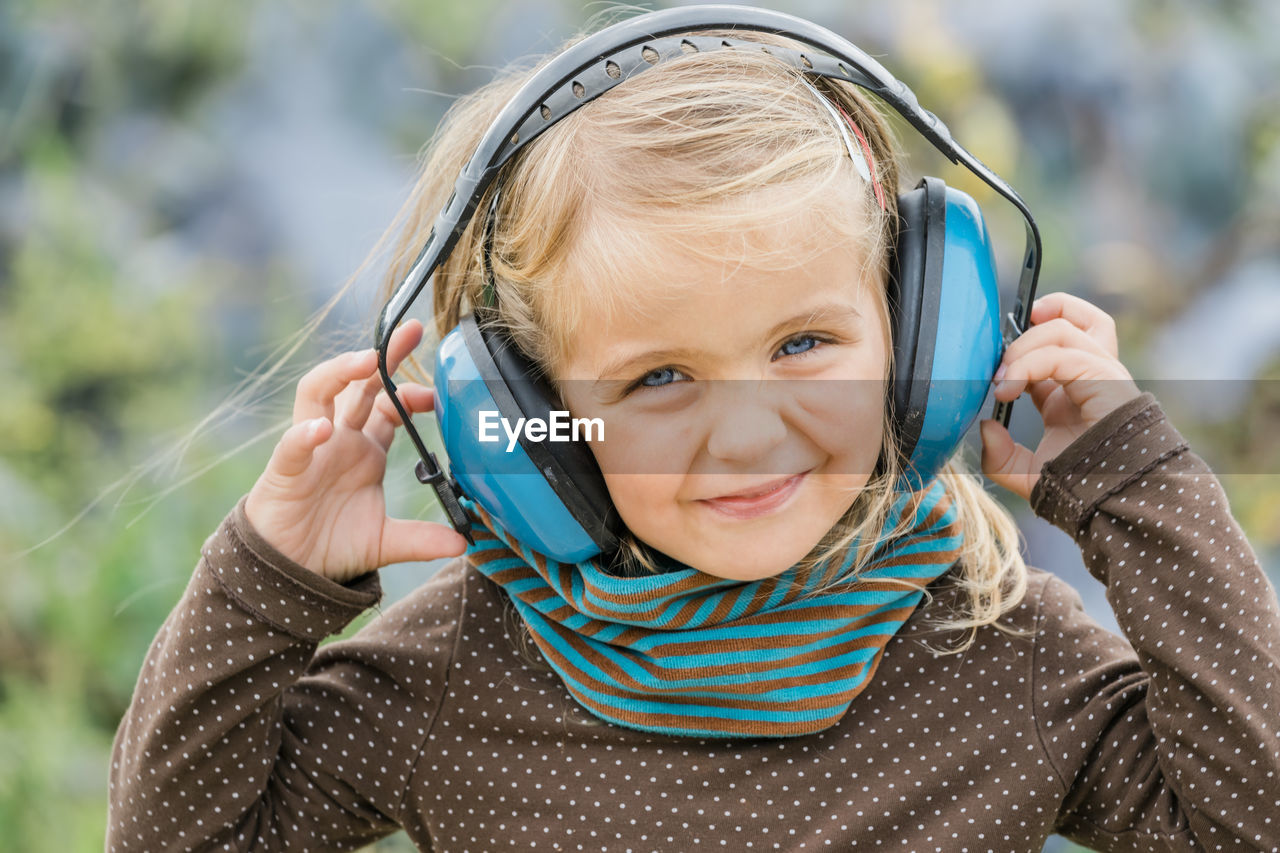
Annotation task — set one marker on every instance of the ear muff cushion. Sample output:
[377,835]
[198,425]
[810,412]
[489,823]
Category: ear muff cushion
[520,391]
[914,281]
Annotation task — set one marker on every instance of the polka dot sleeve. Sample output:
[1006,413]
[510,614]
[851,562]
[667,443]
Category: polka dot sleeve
[1179,751]
[211,753]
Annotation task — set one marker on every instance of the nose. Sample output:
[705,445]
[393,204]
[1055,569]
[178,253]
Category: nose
[746,421]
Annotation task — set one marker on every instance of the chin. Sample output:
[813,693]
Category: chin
[748,565]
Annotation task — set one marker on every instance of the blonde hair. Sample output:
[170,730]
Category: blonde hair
[676,154]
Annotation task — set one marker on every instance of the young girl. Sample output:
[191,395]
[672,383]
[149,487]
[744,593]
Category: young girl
[789,649]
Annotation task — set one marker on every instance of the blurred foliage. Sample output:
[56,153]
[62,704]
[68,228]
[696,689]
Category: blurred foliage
[144,269]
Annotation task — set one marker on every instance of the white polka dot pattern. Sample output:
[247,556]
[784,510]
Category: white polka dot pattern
[243,736]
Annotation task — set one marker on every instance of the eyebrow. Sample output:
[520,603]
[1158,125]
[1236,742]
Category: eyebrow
[827,311]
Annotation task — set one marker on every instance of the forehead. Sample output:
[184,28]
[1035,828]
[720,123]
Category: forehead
[724,293]
[624,265]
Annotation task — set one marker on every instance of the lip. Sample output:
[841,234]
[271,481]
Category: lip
[758,500]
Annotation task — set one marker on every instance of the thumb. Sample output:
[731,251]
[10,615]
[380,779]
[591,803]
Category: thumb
[1005,462]
[404,541]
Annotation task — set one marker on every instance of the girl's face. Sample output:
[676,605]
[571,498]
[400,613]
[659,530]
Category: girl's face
[706,462]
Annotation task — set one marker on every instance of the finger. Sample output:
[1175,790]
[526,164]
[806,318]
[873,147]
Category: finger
[318,388]
[1055,332]
[1089,318]
[356,402]
[1041,392]
[1058,364]
[403,541]
[293,452]
[382,425]
[404,340]
[1005,462]
[1094,384]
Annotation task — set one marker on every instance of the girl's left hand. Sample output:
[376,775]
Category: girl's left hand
[1068,360]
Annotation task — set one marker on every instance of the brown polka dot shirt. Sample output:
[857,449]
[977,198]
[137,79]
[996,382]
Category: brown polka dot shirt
[242,735]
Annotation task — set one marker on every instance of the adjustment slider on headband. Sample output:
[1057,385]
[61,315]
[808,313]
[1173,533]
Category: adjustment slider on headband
[447,491]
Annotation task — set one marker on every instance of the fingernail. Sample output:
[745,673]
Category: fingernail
[1000,372]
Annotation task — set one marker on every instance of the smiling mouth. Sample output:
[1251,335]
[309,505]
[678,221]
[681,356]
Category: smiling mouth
[758,500]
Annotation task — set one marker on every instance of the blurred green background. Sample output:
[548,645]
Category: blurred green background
[183,184]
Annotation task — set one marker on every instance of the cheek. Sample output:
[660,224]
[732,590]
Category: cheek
[846,419]
[644,501]
[639,441]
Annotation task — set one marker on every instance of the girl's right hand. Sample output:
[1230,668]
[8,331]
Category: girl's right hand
[320,500]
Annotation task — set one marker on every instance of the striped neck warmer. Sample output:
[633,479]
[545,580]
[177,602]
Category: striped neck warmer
[685,653]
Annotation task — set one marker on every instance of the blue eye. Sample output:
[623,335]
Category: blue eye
[661,376]
[799,344]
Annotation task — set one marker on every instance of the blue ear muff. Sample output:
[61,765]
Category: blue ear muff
[549,495]
[946,314]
